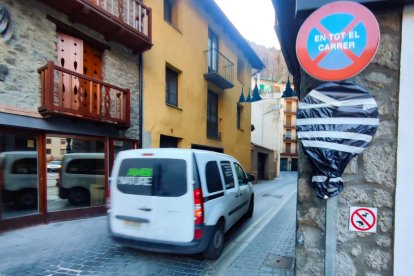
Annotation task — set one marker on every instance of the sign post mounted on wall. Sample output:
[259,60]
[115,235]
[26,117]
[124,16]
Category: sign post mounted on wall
[337,41]
[336,121]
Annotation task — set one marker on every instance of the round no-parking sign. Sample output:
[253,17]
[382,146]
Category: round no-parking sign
[337,41]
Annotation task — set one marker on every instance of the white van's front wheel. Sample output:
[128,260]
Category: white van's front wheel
[216,243]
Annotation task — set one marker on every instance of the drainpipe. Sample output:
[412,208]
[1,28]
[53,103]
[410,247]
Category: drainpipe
[141,97]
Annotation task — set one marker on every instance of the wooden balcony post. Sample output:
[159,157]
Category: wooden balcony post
[50,84]
[128,107]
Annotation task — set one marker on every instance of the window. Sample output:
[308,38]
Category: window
[168,141]
[212,115]
[170,12]
[48,151]
[153,176]
[228,174]
[48,141]
[240,70]
[63,141]
[86,166]
[241,176]
[213,178]
[239,113]
[25,166]
[212,52]
[171,87]
[63,151]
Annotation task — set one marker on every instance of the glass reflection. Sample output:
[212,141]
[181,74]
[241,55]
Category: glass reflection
[80,180]
[18,175]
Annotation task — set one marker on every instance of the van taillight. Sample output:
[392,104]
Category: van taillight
[198,211]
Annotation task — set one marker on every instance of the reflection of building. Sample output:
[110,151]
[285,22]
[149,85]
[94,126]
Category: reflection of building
[267,133]
[289,152]
[64,78]
[55,148]
[193,77]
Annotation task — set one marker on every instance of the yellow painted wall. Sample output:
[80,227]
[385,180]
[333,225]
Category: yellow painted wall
[183,48]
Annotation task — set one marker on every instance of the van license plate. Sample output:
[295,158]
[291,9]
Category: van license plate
[132,224]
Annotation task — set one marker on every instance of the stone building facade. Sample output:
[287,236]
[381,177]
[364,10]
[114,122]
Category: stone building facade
[96,104]
[370,179]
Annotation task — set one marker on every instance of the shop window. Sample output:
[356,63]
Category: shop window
[80,181]
[18,175]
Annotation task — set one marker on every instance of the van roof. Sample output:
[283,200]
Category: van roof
[84,155]
[175,151]
[26,153]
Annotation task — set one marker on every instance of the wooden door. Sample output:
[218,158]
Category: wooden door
[69,56]
[92,67]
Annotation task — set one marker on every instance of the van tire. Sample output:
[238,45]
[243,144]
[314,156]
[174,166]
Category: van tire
[79,196]
[27,199]
[249,212]
[216,243]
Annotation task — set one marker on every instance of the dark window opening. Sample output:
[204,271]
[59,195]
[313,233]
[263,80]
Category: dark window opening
[212,115]
[168,141]
[171,87]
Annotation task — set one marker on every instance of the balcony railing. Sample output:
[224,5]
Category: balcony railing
[289,137]
[72,94]
[126,21]
[290,124]
[219,69]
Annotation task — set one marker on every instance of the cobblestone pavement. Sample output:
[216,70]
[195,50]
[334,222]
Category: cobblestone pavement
[84,247]
[272,251]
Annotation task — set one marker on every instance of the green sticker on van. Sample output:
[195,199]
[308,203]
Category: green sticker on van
[144,172]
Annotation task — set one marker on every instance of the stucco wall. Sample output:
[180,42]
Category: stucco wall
[182,46]
[369,179]
[34,43]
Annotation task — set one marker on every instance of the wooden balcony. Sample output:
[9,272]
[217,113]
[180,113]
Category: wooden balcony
[68,93]
[128,22]
[219,69]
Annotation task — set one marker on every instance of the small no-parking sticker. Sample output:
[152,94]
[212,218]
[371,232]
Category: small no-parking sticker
[363,219]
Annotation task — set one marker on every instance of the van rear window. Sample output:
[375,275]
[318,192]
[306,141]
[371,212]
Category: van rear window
[153,177]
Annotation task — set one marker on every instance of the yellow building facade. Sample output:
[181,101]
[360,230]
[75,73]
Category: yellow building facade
[192,80]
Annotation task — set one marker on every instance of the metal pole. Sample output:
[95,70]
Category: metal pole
[330,235]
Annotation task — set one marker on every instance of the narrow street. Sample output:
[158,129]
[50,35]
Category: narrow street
[83,247]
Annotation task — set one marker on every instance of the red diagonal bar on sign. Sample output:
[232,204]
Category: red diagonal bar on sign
[322,29]
[364,220]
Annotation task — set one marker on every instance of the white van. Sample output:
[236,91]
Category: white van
[81,171]
[177,200]
[19,178]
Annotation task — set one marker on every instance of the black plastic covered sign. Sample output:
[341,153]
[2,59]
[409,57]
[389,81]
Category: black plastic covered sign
[335,122]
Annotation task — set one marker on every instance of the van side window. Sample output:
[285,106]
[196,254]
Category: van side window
[213,178]
[228,174]
[241,176]
[86,166]
[25,166]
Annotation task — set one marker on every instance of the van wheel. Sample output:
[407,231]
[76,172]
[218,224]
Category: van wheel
[79,196]
[216,243]
[27,199]
[249,212]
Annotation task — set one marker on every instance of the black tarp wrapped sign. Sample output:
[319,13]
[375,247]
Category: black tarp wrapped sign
[335,122]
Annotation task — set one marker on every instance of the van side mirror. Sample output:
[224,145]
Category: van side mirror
[250,178]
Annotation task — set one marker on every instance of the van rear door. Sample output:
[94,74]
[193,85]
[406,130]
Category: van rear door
[151,196]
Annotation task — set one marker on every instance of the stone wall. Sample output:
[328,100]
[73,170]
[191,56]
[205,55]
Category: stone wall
[34,43]
[369,179]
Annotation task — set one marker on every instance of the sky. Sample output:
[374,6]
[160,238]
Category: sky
[255,20]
